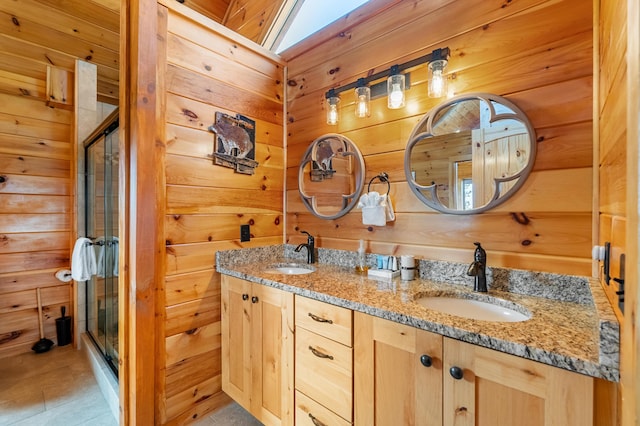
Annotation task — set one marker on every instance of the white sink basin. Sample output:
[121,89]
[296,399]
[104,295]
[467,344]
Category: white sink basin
[289,269]
[473,309]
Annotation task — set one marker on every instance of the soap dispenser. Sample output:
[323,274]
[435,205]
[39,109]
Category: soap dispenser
[361,260]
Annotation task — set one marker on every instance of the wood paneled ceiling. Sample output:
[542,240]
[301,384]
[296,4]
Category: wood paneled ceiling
[38,33]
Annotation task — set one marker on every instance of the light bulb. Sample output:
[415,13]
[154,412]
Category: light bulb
[395,90]
[363,96]
[437,79]
[437,84]
[362,106]
[396,97]
[332,108]
[332,116]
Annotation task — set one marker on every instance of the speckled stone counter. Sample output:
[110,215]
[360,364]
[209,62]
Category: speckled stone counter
[572,325]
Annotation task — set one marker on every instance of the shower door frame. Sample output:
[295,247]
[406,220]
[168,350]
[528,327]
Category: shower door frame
[106,345]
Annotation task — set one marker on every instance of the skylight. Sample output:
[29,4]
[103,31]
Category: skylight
[313,16]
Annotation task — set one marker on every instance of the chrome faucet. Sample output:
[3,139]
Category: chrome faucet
[310,245]
[478,269]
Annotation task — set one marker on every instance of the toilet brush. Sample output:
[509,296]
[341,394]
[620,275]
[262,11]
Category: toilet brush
[42,345]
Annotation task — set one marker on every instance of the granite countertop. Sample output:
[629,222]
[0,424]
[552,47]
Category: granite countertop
[578,332]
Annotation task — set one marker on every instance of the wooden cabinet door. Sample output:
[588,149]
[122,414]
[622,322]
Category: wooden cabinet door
[498,389]
[257,349]
[392,386]
[236,339]
[272,352]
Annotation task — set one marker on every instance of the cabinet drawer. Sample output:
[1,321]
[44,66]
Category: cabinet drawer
[310,413]
[327,320]
[324,372]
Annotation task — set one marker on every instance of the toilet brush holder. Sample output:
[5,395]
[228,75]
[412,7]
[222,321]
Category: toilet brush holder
[63,328]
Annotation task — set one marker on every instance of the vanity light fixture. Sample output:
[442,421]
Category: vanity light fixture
[437,79]
[332,107]
[394,87]
[363,99]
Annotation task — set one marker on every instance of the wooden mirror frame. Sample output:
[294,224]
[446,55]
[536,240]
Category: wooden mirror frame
[348,200]
[428,194]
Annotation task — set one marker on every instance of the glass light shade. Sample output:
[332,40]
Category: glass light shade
[437,79]
[332,110]
[395,91]
[363,98]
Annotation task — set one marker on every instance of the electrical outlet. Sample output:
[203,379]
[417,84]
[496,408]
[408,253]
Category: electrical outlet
[245,233]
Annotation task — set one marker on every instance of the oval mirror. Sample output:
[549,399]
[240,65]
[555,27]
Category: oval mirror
[469,154]
[331,176]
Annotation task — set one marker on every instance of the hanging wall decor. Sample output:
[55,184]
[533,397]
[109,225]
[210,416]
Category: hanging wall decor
[234,143]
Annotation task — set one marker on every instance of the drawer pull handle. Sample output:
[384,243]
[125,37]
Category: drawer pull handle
[245,296]
[315,421]
[254,299]
[320,319]
[320,354]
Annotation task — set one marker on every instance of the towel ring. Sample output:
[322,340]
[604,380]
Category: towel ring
[383,177]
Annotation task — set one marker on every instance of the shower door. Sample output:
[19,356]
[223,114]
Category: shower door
[101,192]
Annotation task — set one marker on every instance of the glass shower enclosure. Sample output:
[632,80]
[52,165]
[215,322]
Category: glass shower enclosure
[101,221]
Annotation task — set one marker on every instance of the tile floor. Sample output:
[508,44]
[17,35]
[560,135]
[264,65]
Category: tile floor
[51,388]
[231,415]
[58,388]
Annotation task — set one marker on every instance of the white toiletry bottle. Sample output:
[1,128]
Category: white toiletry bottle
[361,260]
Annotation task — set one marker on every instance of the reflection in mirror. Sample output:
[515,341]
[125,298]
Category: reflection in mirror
[470,154]
[331,176]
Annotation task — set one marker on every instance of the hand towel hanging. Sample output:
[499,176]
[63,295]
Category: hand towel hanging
[83,260]
[377,209]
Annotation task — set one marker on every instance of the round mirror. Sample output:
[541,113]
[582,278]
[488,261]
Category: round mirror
[469,154]
[331,176]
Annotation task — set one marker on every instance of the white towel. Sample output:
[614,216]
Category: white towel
[376,209]
[83,260]
[390,213]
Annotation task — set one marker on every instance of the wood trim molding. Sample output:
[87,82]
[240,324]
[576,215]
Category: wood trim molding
[140,211]
[630,351]
[595,224]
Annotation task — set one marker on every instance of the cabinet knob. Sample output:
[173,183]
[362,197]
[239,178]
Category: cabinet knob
[426,360]
[254,299]
[245,296]
[320,319]
[456,372]
[315,421]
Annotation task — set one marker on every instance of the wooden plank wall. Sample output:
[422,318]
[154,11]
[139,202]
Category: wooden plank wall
[612,111]
[35,218]
[536,53]
[208,69]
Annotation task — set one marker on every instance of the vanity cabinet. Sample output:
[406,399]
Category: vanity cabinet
[404,375]
[324,363]
[257,349]
[495,388]
[398,373]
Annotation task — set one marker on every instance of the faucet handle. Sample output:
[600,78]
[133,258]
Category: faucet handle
[479,255]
